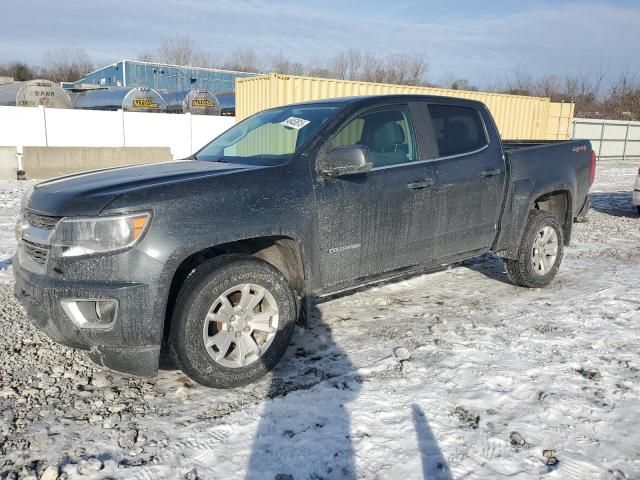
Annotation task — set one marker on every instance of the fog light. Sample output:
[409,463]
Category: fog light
[106,310]
[98,313]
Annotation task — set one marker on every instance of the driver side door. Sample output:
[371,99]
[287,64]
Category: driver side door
[369,223]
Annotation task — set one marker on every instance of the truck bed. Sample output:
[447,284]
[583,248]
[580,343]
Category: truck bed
[509,145]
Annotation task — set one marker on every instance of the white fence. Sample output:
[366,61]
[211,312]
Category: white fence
[42,127]
[611,139]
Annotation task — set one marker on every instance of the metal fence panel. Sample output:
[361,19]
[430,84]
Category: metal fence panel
[611,139]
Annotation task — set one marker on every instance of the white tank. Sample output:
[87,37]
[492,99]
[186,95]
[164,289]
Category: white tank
[197,101]
[34,93]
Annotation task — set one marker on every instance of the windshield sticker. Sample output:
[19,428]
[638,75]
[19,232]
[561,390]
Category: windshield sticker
[295,122]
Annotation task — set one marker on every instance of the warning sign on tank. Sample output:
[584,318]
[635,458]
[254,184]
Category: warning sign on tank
[201,102]
[144,103]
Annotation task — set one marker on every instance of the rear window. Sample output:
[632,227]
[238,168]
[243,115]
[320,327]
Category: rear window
[458,130]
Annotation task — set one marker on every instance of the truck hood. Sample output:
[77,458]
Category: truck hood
[89,192]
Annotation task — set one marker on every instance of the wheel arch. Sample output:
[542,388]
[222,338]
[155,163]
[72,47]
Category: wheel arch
[558,203]
[523,200]
[282,252]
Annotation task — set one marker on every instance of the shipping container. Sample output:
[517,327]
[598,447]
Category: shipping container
[518,117]
[34,93]
[559,123]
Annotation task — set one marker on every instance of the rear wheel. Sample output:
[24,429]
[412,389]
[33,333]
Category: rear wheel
[540,253]
[233,320]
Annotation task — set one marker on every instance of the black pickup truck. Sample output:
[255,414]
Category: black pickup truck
[217,257]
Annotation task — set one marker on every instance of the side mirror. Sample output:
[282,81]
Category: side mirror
[347,160]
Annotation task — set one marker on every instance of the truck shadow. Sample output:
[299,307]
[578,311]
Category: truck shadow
[305,428]
[617,204]
[305,431]
[434,465]
[489,265]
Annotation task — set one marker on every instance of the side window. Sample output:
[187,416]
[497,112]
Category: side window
[386,131]
[458,130]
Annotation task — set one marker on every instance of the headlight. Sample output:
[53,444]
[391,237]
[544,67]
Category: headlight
[22,224]
[84,236]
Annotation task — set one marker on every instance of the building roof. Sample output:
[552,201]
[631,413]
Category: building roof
[160,64]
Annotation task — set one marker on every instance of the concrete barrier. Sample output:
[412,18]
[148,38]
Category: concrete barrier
[47,162]
[8,163]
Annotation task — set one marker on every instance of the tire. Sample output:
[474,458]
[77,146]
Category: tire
[202,314]
[529,269]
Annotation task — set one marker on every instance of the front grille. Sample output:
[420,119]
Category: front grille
[42,221]
[36,252]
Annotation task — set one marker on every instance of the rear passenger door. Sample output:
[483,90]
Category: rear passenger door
[471,176]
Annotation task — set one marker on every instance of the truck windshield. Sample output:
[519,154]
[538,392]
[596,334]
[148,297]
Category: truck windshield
[269,137]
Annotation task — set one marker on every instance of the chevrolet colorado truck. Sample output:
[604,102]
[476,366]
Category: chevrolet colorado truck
[215,258]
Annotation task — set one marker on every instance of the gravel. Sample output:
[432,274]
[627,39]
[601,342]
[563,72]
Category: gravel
[64,389]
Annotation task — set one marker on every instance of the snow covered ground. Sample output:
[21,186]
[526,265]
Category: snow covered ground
[501,381]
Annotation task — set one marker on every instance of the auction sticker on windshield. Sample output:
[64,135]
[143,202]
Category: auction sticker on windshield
[295,122]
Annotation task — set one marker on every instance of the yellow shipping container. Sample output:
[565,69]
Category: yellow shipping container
[518,117]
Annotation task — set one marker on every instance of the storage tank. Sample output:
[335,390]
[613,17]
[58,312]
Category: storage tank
[33,93]
[197,101]
[227,102]
[138,99]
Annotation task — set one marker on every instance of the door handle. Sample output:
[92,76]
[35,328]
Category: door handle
[491,172]
[420,183]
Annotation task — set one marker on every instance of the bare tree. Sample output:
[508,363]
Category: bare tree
[372,69]
[584,90]
[281,64]
[399,69]
[346,65]
[461,84]
[520,82]
[623,100]
[66,64]
[178,50]
[146,57]
[547,86]
[242,60]
[18,71]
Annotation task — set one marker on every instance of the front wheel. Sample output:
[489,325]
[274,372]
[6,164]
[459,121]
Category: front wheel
[233,320]
[540,252]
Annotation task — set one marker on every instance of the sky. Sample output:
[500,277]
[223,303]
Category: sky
[482,41]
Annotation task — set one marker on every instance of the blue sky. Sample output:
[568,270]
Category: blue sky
[479,40]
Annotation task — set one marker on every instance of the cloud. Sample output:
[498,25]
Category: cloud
[566,38]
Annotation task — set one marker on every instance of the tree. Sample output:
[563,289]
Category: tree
[520,82]
[179,50]
[66,64]
[18,71]
[242,60]
[462,84]
[281,64]
[623,100]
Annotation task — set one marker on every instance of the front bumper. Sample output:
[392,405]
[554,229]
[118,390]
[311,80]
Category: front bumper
[131,344]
